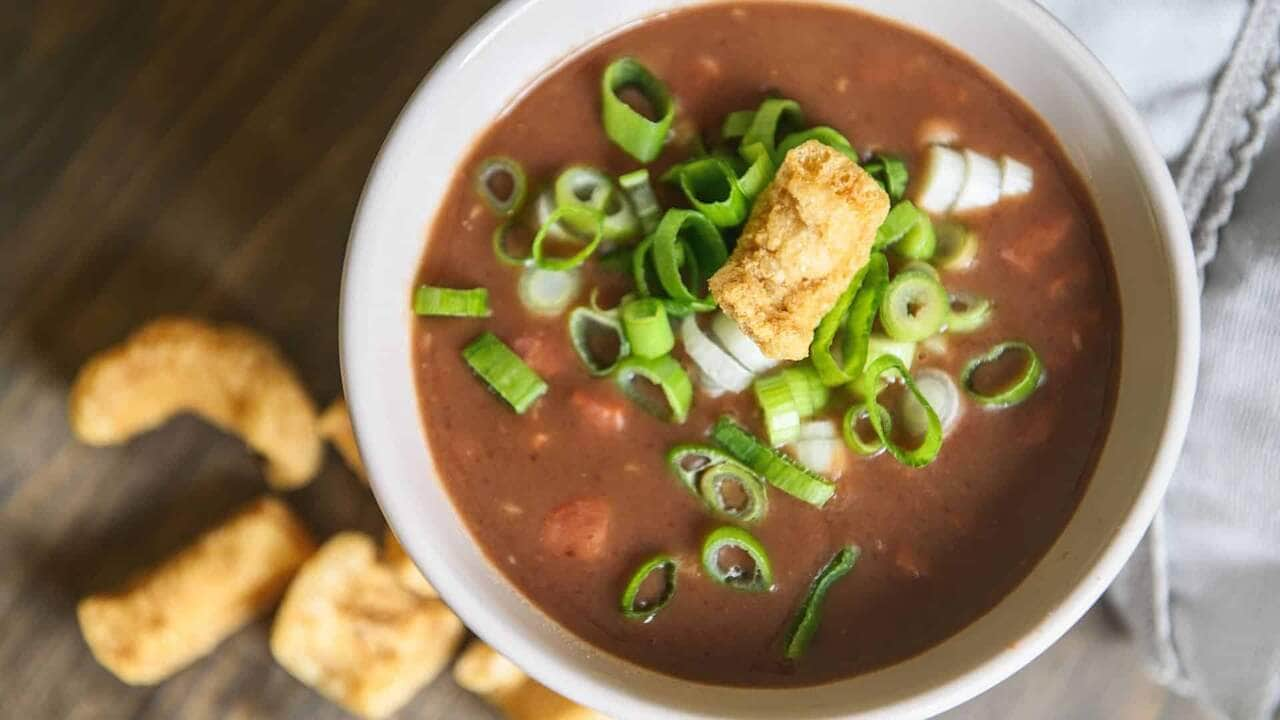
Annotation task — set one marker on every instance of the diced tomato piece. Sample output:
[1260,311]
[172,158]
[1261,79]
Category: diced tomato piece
[578,529]
[607,414]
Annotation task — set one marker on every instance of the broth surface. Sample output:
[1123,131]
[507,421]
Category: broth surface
[940,545]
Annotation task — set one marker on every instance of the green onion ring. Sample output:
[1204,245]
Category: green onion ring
[977,311]
[774,115]
[903,217]
[855,313]
[918,290]
[705,476]
[777,469]
[448,302]
[1019,390]
[823,134]
[759,173]
[890,172]
[778,404]
[582,186]
[644,613]
[647,328]
[569,213]
[505,256]
[932,442]
[810,393]
[504,372]
[687,461]
[705,246]
[667,374]
[849,428]
[639,191]
[641,137]
[491,167]
[957,246]
[736,124]
[582,320]
[711,187]
[805,623]
[760,580]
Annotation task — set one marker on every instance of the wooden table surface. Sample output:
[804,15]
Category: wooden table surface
[177,156]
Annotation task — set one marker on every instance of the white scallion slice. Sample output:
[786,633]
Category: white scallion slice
[1015,178]
[716,365]
[878,345]
[746,352]
[940,183]
[818,446]
[543,207]
[940,391]
[981,187]
[818,430]
[548,292]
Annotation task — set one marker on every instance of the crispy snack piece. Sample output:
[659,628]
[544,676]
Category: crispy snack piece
[496,679]
[335,426]
[401,564]
[349,629]
[175,613]
[234,378]
[809,232]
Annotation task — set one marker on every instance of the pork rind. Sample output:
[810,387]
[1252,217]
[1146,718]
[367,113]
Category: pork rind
[484,672]
[809,232]
[349,629]
[175,613]
[335,426]
[230,376]
[401,564]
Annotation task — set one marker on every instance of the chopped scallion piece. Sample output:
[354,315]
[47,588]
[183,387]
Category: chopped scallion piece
[647,328]
[929,446]
[1016,391]
[711,187]
[668,375]
[957,246]
[639,191]
[777,469]
[825,135]
[758,578]
[807,388]
[584,322]
[902,218]
[854,313]
[504,371]
[920,242]
[644,609]
[860,445]
[548,292]
[759,173]
[686,236]
[736,124]
[775,118]
[727,487]
[915,306]
[448,302]
[501,245]
[578,214]
[968,312]
[890,172]
[809,615]
[781,413]
[584,187]
[501,175]
[641,137]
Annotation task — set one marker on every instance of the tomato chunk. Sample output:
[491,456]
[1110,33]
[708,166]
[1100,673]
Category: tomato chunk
[578,529]
[608,414]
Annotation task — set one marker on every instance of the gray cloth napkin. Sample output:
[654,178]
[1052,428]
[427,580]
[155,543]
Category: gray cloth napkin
[1202,593]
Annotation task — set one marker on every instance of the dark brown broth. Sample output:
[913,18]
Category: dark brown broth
[941,545]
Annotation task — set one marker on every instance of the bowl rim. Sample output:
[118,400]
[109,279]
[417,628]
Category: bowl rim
[1168,218]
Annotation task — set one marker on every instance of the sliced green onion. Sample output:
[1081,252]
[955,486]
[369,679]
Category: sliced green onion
[932,442]
[717,367]
[921,266]
[500,245]
[920,242]
[758,579]
[781,413]
[688,461]
[890,172]
[915,306]
[543,207]
[825,135]
[582,186]
[805,623]
[854,313]
[647,328]
[712,189]
[879,345]
[577,214]
[736,124]
[644,611]
[901,220]
[643,201]
[618,259]
[706,471]
[777,469]
[504,371]
[957,246]
[849,428]
[548,292]
[1016,391]
[972,314]
[667,374]
[758,174]
[705,247]
[493,168]
[810,393]
[448,302]
[641,137]
[775,116]
[584,321]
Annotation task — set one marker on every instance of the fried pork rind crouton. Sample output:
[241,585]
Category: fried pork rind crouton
[335,426]
[234,378]
[496,679]
[401,564]
[351,631]
[809,232]
[177,612]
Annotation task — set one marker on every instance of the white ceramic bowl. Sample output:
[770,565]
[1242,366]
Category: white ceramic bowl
[1106,141]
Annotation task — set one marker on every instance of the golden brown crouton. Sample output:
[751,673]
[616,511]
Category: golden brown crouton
[177,612]
[810,231]
[349,629]
[335,426]
[230,376]
[401,564]
[496,679]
